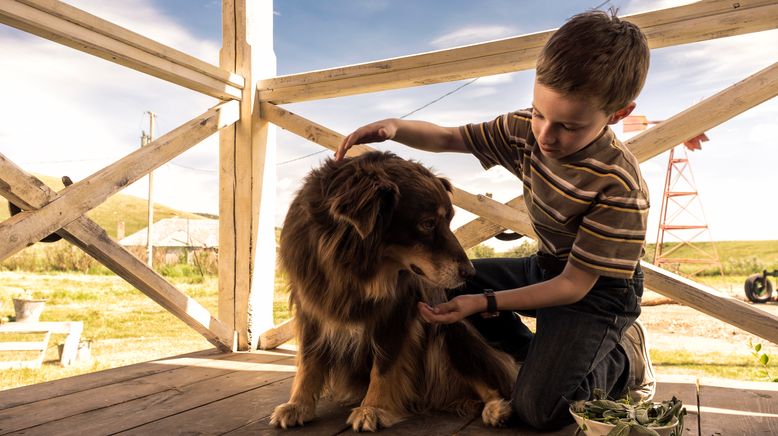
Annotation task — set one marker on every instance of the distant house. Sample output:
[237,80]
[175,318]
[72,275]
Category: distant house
[174,238]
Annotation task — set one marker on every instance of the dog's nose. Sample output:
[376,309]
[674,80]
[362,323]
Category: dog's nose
[466,270]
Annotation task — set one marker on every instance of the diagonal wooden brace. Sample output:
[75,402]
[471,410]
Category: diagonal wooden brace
[30,193]
[72,202]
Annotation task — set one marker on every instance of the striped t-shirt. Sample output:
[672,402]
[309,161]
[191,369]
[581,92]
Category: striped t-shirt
[589,208]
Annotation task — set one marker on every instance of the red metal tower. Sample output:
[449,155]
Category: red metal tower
[682,222]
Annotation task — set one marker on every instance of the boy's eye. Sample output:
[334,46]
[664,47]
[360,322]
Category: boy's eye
[569,128]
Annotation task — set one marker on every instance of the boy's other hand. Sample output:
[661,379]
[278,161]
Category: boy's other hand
[374,132]
[452,311]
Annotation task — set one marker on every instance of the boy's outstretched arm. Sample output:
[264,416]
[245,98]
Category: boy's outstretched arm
[568,287]
[417,134]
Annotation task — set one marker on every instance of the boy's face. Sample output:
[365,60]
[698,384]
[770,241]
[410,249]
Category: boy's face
[564,124]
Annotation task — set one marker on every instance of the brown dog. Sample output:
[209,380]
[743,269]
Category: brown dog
[364,241]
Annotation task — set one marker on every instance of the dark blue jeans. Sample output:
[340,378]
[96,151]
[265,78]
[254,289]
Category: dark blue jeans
[574,348]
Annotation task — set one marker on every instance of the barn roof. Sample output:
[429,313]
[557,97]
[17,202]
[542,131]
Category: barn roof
[178,232]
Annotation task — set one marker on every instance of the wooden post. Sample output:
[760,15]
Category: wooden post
[247,181]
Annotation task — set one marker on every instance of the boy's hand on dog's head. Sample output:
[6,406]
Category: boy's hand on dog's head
[452,311]
[374,132]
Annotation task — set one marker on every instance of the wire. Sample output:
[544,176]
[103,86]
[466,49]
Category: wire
[202,170]
[404,116]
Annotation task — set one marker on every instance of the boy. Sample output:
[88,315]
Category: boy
[588,204]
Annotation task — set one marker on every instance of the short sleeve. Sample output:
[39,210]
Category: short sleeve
[611,236]
[500,141]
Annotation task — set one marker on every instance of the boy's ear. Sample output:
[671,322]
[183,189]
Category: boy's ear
[363,199]
[622,113]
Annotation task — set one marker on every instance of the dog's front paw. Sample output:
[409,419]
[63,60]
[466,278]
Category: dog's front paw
[368,418]
[496,412]
[291,415]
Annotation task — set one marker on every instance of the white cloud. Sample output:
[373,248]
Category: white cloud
[142,17]
[471,35]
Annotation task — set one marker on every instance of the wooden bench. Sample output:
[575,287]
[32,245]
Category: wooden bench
[72,329]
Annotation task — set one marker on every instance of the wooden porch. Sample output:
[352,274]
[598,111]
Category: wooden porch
[215,393]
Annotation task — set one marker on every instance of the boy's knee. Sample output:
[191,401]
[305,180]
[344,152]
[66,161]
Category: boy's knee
[541,414]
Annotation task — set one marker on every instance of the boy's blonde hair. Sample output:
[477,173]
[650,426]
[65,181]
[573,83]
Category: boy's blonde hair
[596,55]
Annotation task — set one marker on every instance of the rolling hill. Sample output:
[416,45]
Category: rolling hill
[120,207]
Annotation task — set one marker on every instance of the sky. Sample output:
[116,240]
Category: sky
[65,112]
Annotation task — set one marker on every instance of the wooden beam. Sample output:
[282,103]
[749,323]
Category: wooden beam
[479,204]
[481,229]
[227,183]
[29,227]
[248,155]
[70,26]
[711,302]
[698,21]
[30,193]
[705,115]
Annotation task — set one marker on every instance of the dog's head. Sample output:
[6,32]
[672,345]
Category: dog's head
[401,209]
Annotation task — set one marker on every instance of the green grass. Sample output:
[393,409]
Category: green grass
[737,257]
[124,325]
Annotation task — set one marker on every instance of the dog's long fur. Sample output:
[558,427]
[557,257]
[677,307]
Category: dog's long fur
[365,239]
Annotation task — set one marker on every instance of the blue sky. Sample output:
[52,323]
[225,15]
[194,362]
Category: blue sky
[67,112]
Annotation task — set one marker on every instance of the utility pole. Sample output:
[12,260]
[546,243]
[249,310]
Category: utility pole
[144,141]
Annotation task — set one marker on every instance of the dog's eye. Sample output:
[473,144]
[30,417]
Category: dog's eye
[428,224]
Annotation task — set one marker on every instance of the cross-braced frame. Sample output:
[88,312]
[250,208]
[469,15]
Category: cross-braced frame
[247,150]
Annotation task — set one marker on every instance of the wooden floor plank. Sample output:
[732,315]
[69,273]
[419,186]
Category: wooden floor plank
[235,393]
[684,388]
[44,414]
[48,390]
[734,407]
[174,400]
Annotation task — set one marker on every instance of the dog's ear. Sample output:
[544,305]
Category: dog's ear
[362,199]
[446,184]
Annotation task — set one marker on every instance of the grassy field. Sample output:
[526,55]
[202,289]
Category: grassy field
[123,325]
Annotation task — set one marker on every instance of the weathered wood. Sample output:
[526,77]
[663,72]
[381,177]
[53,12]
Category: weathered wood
[698,21]
[231,394]
[28,227]
[227,261]
[145,394]
[708,113]
[735,407]
[41,391]
[30,193]
[72,329]
[247,179]
[711,302]
[174,397]
[24,346]
[75,28]
[261,205]
[276,336]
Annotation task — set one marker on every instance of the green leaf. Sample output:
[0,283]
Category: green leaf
[644,430]
[621,429]
[758,347]
[764,359]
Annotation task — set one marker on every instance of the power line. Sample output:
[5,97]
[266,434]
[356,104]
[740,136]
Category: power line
[404,116]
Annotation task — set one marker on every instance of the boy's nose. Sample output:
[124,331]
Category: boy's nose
[546,137]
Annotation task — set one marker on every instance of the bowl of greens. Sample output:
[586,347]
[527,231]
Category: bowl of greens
[601,417]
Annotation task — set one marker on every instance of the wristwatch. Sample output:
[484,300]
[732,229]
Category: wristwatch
[491,305]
